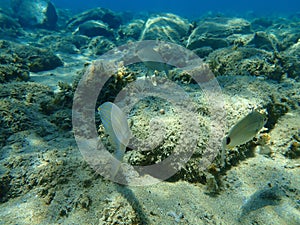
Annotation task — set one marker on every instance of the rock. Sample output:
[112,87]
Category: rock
[275,111]
[9,27]
[213,32]
[294,150]
[100,14]
[100,45]
[261,23]
[290,60]
[245,61]
[292,36]
[203,51]
[11,65]
[131,30]
[38,13]
[38,59]
[9,72]
[93,28]
[166,27]
[7,22]
[286,32]
[64,15]
[118,210]
[72,44]
[264,40]
[212,42]
[20,103]
[32,58]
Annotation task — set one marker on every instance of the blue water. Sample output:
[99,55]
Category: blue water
[188,8]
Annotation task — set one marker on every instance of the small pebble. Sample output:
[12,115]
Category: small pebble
[162,111]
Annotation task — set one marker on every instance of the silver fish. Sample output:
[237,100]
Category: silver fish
[243,131]
[116,125]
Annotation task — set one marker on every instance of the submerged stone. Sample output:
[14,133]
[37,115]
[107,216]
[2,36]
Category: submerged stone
[245,61]
[290,60]
[32,58]
[7,22]
[167,27]
[264,40]
[38,13]
[131,30]
[72,44]
[93,28]
[100,45]
[107,16]
[213,32]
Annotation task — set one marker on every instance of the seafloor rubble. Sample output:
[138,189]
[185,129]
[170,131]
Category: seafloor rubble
[44,178]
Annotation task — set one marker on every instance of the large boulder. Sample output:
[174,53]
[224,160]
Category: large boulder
[38,59]
[9,27]
[245,61]
[216,32]
[290,60]
[12,67]
[107,16]
[166,27]
[264,40]
[100,45]
[131,31]
[7,22]
[38,13]
[93,28]
[71,44]
[287,32]
[20,59]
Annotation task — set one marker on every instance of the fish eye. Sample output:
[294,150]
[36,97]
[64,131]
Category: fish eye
[228,140]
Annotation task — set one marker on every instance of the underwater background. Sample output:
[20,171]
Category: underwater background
[189,8]
[149,112]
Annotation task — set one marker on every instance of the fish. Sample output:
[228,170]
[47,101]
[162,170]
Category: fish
[153,60]
[243,131]
[115,124]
